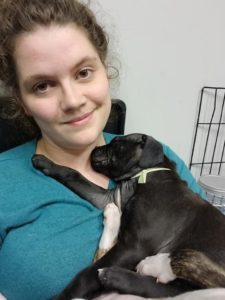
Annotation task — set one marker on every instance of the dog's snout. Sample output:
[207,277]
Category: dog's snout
[98,153]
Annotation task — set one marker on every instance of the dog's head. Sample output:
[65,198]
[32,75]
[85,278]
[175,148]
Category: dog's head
[127,155]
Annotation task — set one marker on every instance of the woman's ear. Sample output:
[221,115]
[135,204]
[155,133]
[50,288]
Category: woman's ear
[152,153]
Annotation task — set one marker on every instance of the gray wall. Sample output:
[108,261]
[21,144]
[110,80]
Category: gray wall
[169,50]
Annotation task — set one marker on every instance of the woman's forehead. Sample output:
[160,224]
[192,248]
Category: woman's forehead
[52,48]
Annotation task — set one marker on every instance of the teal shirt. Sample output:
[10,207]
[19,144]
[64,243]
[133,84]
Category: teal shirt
[47,233]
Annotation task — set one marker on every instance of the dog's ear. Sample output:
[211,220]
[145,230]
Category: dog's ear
[152,153]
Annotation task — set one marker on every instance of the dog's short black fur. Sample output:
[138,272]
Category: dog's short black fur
[163,215]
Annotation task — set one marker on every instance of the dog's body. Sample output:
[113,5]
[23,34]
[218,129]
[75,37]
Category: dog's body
[162,216]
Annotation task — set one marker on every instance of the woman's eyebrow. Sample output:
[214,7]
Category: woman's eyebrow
[37,77]
[86,59]
[34,78]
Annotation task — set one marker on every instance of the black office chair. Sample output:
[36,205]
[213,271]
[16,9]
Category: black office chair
[117,117]
[14,132]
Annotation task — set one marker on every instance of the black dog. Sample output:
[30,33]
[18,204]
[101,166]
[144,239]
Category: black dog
[161,216]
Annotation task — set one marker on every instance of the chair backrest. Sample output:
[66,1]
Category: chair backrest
[117,117]
[14,133]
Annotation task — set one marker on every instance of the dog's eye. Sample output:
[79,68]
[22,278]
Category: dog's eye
[144,137]
[143,140]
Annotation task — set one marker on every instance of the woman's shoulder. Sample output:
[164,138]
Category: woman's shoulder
[16,162]
[20,151]
[109,136]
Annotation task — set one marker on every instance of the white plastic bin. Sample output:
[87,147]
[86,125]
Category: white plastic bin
[214,185]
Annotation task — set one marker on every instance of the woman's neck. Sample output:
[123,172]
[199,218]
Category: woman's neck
[78,159]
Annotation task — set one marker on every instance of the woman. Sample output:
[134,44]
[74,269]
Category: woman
[53,61]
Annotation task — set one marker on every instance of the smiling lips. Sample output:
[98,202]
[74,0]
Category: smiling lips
[82,120]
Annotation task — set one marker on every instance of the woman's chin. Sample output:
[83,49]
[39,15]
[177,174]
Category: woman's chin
[85,139]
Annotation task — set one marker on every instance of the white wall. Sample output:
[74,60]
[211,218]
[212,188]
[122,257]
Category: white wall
[169,49]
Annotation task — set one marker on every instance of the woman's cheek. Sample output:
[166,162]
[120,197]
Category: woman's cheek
[43,110]
[100,90]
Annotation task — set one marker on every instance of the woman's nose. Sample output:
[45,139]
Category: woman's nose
[71,96]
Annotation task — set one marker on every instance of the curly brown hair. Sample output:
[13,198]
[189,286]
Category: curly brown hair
[21,16]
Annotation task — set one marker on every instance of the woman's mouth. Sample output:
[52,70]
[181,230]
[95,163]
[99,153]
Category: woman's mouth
[80,120]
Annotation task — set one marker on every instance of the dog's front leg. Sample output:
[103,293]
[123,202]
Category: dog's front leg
[112,215]
[86,284]
[75,181]
[102,276]
[129,282]
[80,185]
[83,286]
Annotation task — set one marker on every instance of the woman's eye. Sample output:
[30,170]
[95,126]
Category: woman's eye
[41,87]
[84,74]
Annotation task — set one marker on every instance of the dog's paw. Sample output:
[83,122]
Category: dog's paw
[157,266]
[110,277]
[103,275]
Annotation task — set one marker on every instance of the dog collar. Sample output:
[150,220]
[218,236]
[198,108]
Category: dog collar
[143,174]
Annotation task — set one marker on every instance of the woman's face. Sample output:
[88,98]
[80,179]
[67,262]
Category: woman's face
[63,85]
